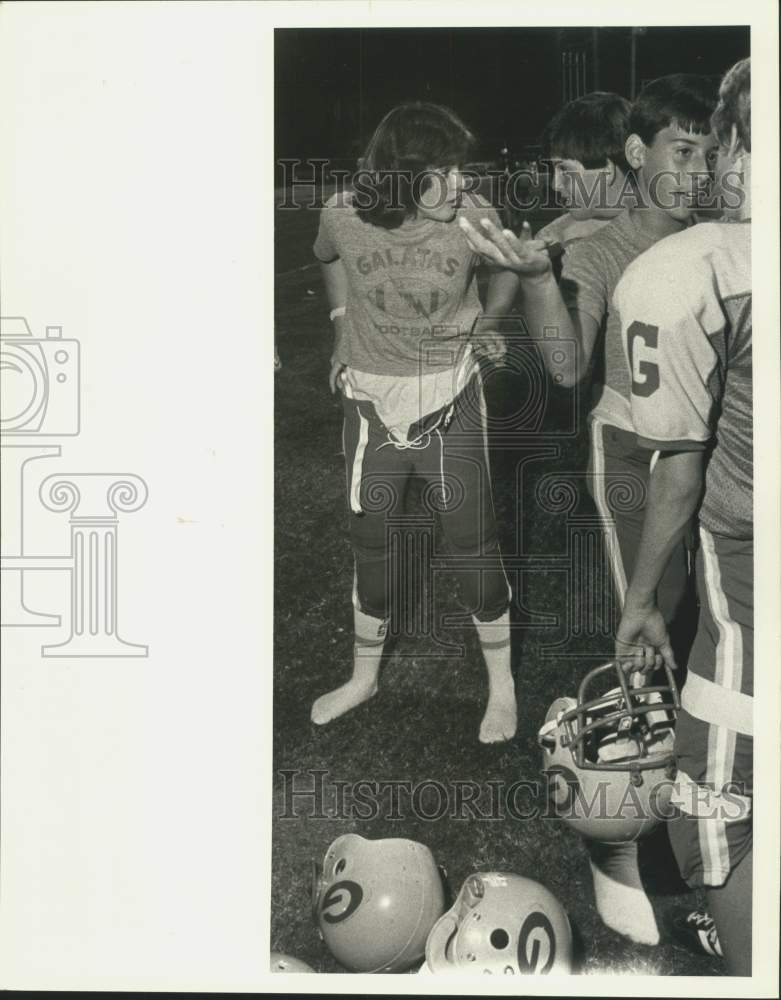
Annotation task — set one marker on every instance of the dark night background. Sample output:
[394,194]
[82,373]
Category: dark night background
[333,86]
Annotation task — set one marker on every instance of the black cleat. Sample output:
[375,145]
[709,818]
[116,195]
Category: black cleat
[697,931]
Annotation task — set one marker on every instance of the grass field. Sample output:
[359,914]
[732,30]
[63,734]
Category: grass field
[423,723]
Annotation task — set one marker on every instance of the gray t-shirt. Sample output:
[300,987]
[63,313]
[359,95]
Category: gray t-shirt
[591,270]
[411,292]
[566,230]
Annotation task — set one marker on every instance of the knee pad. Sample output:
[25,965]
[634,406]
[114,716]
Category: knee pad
[370,585]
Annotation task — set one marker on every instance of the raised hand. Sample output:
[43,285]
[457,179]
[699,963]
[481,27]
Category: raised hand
[524,255]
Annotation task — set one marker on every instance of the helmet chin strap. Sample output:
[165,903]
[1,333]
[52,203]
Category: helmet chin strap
[439,947]
[316,887]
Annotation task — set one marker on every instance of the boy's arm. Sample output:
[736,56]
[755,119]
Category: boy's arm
[499,299]
[555,328]
[335,281]
[500,295]
[674,491]
[671,360]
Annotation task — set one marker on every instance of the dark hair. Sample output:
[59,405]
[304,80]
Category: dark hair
[683,99]
[734,107]
[410,139]
[591,129]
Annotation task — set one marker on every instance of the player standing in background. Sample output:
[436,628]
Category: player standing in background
[401,282]
[584,143]
[686,318]
[670,150]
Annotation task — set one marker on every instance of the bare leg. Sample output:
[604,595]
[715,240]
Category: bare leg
[621,900]
[501,714]
[367,653]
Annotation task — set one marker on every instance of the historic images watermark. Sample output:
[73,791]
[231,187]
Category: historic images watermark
[528,189]
[41,403]
[316,794]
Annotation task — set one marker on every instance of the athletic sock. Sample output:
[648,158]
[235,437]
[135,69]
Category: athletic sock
[501,714]
[367,652]
[621,900]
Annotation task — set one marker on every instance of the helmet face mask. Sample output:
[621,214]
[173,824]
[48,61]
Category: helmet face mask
[608,755]
[633,715]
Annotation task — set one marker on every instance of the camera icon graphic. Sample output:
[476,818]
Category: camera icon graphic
[40,381]
[40,401]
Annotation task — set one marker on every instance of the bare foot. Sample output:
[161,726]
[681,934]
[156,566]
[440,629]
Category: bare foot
[500,720]
[330,706]
[621,900]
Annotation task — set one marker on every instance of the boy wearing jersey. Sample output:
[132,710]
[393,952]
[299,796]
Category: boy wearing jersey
[401,280]
[686,321]
[670,151]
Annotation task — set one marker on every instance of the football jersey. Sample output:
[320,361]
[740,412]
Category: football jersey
[591,271]
[685,308]
[412,295]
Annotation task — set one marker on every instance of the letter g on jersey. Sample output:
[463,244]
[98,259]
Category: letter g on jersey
[643,339]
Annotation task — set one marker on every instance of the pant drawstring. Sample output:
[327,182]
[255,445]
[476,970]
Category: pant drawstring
[442,469]
[419,443]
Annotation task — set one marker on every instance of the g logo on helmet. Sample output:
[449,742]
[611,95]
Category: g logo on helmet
[536,945]
[336,896]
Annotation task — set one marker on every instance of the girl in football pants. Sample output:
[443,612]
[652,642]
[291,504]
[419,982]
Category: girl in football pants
[408,324]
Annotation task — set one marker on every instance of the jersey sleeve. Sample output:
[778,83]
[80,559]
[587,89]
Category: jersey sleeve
[670,358]
[325,248]
[582,284]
